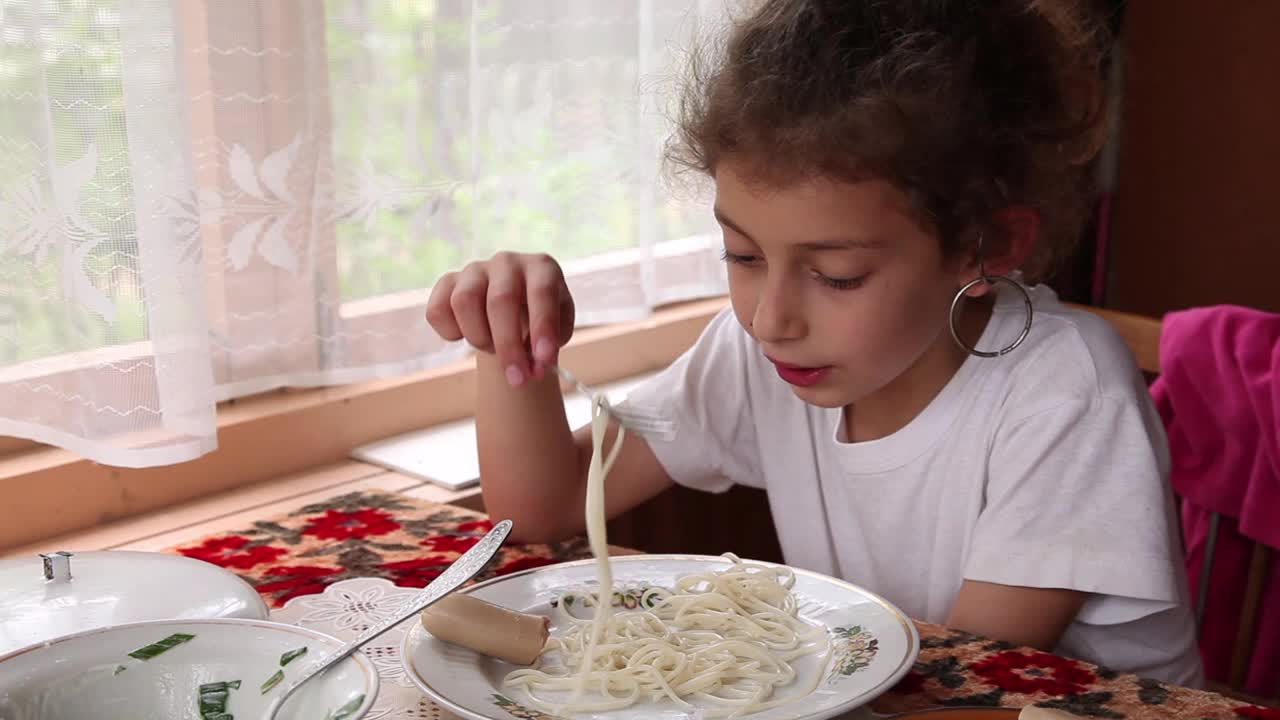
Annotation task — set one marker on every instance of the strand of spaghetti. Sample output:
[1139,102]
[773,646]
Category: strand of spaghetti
[596,530]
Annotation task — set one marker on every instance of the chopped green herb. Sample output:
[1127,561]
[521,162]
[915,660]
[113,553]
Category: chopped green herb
[119,669]
[213,699]
[292,655]
[154,649]
[272,681]
[216,686]
[347,710]
[213,702]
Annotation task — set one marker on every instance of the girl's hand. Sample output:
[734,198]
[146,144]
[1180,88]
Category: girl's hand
[514,305]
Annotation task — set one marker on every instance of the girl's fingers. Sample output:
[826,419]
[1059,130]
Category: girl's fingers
[468,302]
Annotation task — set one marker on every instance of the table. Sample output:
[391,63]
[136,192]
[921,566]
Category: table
[340,564]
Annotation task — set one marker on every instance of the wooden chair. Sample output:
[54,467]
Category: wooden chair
[1142,334]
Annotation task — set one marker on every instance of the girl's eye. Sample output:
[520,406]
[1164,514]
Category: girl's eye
[735,259]
[841,283]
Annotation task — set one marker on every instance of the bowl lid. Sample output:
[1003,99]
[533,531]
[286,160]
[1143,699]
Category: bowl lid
[46,596]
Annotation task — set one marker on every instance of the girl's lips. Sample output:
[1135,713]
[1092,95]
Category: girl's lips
[801,376]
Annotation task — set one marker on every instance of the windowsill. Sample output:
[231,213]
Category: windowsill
[51,491]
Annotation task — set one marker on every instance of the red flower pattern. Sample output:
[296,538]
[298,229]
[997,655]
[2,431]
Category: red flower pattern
[1259,713]
[338,525]
[450,543]
[296,580]
[482,526]
[1035,672]
[226,552]
[417,572]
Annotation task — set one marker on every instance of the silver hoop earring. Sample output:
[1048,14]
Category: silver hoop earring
[983,277]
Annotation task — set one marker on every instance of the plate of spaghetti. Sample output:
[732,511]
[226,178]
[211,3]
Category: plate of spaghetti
[686,637]
[658,636]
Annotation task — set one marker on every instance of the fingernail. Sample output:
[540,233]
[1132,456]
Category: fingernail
[515,376]
[544,351]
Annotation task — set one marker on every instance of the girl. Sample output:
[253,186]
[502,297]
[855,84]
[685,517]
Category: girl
[887,176]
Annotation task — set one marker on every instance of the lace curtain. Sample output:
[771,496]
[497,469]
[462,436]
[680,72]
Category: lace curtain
[203,199]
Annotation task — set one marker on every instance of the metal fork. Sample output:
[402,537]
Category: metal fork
[645,422]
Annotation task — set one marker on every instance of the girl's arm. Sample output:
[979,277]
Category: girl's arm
[1034,617]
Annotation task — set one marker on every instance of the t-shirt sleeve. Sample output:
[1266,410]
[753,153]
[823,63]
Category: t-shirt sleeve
[706,395]
[1077,499]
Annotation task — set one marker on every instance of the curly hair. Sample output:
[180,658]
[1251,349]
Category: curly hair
[967,106]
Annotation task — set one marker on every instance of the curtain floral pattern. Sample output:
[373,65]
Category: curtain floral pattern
[204,199]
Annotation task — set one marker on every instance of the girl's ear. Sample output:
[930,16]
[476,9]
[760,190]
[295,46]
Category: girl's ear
[1020,226]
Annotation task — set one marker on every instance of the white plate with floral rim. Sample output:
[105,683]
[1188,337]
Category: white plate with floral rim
[873,643]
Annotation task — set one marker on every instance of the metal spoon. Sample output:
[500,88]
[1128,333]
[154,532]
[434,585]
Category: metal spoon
[462,570]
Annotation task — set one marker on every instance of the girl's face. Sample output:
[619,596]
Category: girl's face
[843,290]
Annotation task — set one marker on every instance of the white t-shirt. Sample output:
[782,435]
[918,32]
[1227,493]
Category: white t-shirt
[1046,467]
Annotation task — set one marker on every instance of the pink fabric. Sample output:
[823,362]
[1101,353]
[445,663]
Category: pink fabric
[1219,400]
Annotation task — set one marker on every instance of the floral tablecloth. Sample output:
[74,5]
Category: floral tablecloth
[327,558]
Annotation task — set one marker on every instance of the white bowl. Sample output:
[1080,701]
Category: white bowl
[79,677]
